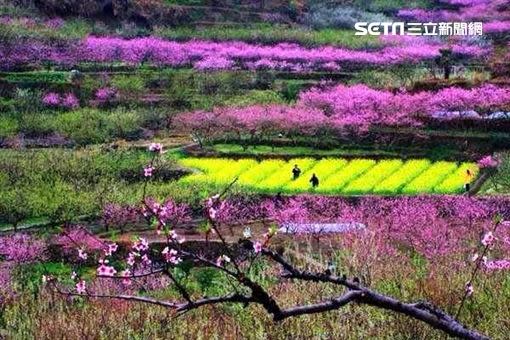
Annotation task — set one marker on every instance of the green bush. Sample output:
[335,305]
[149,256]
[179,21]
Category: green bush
[129,84]
[37,124]
[121,123]
[83,126]
[8,126]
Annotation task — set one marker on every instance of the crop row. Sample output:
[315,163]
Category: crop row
[336,176]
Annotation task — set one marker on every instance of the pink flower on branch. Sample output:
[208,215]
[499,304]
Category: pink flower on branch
[141,245]
[222,259]
[82,254]
[257,247]
[105,270]
[81,287]
[488,239]
[170,256]
[156,147]
[112,248]
[147,171]
[488,162]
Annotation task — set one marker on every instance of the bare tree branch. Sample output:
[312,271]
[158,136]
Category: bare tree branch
[422,311]
[331,304]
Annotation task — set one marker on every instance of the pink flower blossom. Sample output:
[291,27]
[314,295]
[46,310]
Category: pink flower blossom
[488,239]
[81,287]
[105,94]
[51,99]
[498,264]
[171,256]
[145,260]
[156,147]
[147,171]
[141,245]
[257,247]
[131,259]
[70,101]
[222,259]
[112,248]
[82,254]
[488,162]
[105,270]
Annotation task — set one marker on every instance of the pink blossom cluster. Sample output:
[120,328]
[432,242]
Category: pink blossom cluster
[106,94]
[435,227]
[488,162]
[67,101]
[166,215]
[120,216]
[226,54]
[78,241]
[209,55]
[21,248]
[355,106]
[17,249]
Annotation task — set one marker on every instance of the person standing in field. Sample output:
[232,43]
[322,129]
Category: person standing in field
[296,172]
[468,177]
[315,181]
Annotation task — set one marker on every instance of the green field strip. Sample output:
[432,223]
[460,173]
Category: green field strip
[366,182]
[455,182]
[334,183]
[323,169]
[283,175]
[426,181]
[337,176]
[229,172]
[399,179]
[259,172]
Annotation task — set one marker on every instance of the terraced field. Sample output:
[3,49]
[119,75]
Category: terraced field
[337,176]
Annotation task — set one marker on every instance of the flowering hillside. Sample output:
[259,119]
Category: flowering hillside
[262,169]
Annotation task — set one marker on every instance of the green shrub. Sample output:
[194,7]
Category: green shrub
[37,124]
[121,123]
[82,126]
[8,126]
[130,85]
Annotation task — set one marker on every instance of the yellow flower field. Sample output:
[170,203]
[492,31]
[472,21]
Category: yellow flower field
[337,176]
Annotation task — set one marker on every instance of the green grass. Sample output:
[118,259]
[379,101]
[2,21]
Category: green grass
[259,150]
[52,185]
[270,34]
[337,176]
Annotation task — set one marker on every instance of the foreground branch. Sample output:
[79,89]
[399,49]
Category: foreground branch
[355,293]
[422,311]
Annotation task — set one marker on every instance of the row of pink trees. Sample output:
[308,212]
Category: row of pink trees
[349,109]
[209,55]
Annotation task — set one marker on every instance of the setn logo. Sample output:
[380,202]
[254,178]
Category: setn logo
[374,28]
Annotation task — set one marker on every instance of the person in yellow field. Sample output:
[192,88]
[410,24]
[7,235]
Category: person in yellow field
[468,178]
